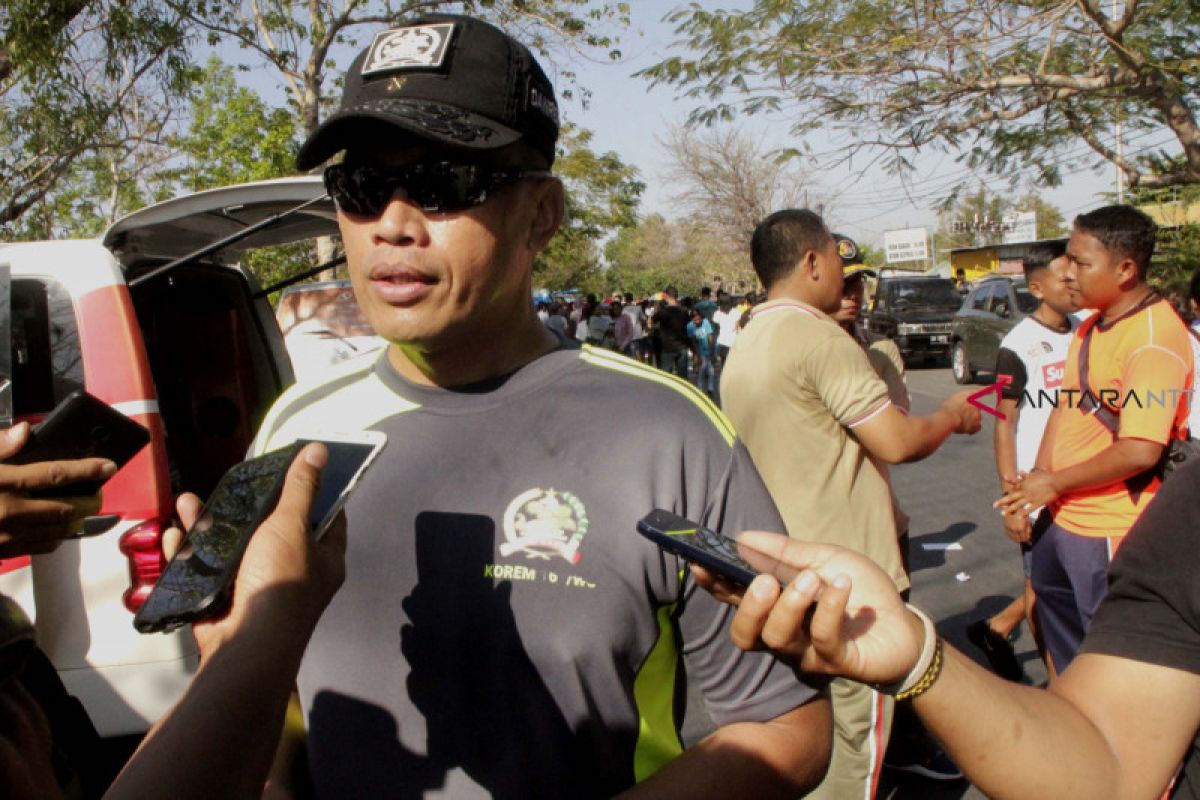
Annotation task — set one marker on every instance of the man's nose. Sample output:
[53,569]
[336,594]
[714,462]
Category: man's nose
[402,221]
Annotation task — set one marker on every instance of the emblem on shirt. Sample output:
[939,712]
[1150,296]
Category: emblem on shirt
[416,47]
[543,523]
[1052,374]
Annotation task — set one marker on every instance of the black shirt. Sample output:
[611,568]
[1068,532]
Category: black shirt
[1152,611]
[671,323]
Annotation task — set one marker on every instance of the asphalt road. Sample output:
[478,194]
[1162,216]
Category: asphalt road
[948,496]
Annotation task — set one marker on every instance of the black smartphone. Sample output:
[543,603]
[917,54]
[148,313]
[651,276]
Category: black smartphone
[198,582]
[697,544]
[82,426]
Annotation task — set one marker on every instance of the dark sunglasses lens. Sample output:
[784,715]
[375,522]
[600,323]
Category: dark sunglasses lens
[366,191]
[440,187]
[356,190]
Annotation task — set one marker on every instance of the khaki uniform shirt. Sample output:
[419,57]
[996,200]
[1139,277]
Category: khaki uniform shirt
[888,364]
[795,386]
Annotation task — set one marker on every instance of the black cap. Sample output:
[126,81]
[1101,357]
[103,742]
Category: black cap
[847,249]
[445,78]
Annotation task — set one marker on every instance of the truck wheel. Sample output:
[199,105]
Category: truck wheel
[959,364]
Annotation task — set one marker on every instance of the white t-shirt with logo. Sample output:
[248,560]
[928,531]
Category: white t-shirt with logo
[1032,360]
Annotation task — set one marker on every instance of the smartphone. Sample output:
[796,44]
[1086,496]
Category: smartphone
[82,426]
[198,582]
[697,544]
[349,457]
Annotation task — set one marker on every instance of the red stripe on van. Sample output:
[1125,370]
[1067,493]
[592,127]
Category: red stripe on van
[116,370]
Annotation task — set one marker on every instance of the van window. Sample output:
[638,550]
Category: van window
[47,364]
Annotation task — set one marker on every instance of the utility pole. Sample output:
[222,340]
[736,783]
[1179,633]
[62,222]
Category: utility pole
[1120,143]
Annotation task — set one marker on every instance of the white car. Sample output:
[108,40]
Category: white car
[195,355]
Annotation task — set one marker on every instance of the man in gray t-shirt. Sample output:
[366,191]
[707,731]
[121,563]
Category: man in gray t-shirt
[503,630]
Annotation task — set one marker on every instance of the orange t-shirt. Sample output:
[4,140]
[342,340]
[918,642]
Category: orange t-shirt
[1140,367]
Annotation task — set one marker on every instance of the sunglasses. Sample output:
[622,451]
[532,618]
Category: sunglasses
[366,190]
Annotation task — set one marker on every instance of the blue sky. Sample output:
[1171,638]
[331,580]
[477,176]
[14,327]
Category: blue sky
[626,114]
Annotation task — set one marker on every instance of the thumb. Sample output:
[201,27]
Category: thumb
[300,485]
[13,439]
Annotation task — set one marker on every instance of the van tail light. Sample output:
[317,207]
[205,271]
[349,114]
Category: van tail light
[142,545]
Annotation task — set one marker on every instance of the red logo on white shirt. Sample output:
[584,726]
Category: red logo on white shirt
[1053,374]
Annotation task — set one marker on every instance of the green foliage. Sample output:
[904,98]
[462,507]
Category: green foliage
[94,91]
[962,210]
[234,136]
[84,83]
[1050,221]
[602,198]
[657,253]
[1177,249]
[297,38]
[1017,87]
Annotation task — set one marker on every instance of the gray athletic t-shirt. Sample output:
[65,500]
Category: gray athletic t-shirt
[503,629]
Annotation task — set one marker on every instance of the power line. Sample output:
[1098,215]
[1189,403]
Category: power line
[942,183]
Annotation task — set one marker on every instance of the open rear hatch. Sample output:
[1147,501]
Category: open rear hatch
[215,351]
[175,228]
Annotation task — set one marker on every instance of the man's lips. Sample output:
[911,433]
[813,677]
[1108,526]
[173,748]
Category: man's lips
[399,285]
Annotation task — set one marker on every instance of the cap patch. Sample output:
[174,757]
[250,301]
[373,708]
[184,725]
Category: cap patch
[846,249]
[414,47]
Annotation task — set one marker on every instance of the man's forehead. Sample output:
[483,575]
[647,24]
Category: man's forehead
[1061,263]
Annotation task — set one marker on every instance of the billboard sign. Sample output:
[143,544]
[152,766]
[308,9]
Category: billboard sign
[906,244]
[1020,226]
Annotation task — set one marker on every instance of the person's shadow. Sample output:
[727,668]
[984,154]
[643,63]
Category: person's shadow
[486,709]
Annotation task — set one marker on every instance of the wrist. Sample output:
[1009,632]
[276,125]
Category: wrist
[927,666]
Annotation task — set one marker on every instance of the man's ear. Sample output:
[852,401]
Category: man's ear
[808,264]
[1127,273]
[549,210]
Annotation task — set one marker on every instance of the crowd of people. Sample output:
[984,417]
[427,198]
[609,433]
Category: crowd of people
[485,621]
[689,337]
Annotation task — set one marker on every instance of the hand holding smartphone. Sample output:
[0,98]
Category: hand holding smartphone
[81,426]
[699,545]
[198,582]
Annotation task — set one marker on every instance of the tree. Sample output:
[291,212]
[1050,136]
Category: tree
[729,179]
[656,253]
[726,183]
[976,219]
[965,219]
[1008,86]
[234,136]
[84,83]
[1177,250]
[1050,221]
[602,197]
[297,39]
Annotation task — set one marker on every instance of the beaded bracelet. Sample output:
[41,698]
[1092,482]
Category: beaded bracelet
[927,680]
[928,666]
